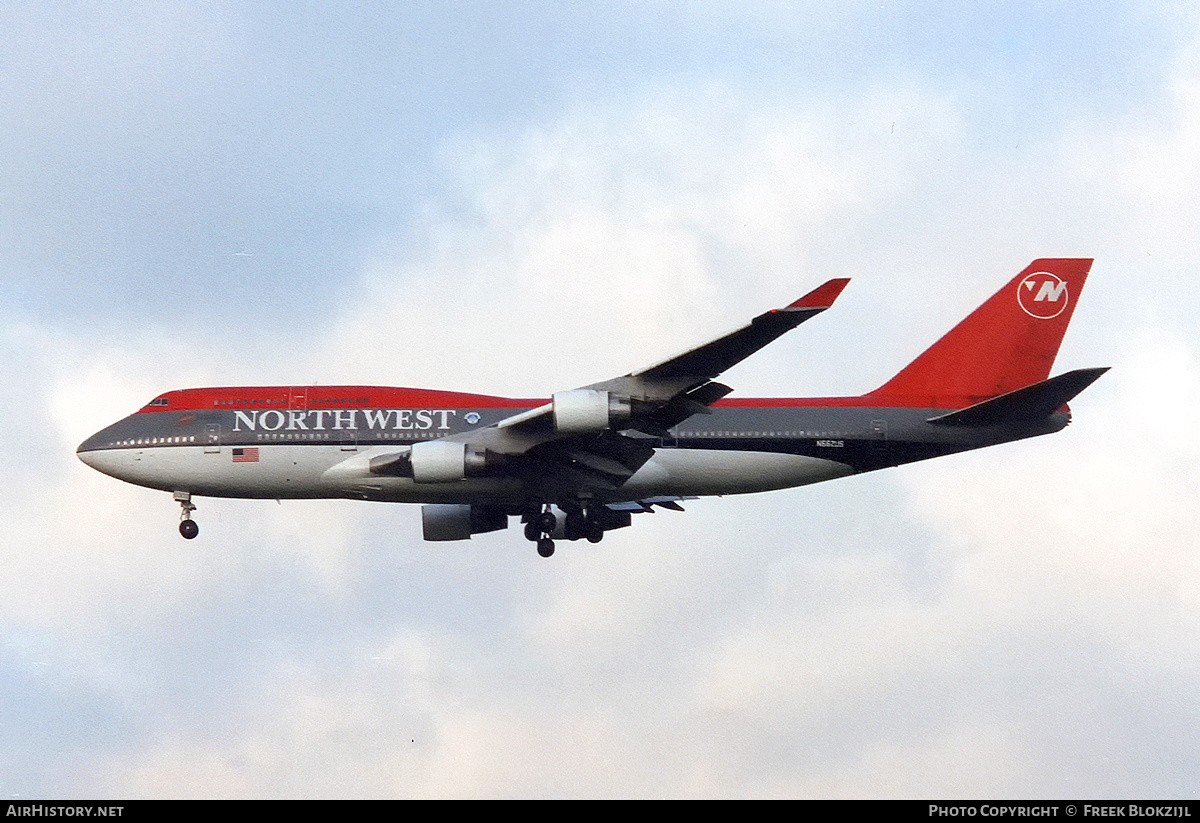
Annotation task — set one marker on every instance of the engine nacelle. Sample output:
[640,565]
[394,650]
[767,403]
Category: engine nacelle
[438,461]
[585,411]
[456,521]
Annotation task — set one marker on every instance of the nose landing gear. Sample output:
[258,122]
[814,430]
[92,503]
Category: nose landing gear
[187,526]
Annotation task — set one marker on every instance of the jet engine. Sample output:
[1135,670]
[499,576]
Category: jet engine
[457,521]
[586,411]
[437,461]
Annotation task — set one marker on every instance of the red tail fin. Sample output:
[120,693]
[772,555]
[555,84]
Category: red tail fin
[1006,344]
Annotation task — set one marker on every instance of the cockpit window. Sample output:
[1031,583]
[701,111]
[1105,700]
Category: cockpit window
[158,401]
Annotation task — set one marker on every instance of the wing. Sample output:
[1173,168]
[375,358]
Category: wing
[692,369]
[598,436]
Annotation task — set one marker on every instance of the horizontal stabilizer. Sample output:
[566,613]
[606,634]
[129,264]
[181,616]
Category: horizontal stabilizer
[1035,402]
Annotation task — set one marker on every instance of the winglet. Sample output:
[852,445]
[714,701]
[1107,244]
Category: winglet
[821,297]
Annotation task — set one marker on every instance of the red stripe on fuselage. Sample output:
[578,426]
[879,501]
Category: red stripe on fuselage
[347,397]
[383,397]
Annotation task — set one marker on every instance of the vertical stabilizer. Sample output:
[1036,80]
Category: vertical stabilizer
[1006,344]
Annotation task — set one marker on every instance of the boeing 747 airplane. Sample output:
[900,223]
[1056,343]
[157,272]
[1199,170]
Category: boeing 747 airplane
[585,460]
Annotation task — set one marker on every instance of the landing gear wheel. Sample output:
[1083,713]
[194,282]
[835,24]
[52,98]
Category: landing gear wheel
[533,531]
[547,521]
[592,529]
[545,547]
[187,526]
[575,526]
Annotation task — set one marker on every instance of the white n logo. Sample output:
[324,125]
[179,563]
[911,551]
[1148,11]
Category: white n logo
[1043,295]
[1051,291]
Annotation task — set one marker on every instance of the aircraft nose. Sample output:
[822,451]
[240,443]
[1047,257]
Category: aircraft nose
[87,448]
[88,456]
[93,450]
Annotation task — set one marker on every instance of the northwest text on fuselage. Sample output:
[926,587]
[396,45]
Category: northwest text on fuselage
[343,419]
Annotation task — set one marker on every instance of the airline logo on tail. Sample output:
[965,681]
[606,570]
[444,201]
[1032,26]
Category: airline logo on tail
[1043,295]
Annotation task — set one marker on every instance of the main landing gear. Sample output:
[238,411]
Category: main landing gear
[187,526]
[541,525]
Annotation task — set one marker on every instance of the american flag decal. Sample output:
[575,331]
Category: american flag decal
[246,455]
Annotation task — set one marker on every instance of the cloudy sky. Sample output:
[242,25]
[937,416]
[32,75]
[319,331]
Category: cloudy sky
[517,198]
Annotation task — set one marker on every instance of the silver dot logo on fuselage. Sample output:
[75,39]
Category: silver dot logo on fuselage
[472,418]
[1043,295]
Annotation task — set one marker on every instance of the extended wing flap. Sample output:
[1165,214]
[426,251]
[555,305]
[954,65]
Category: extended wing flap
[646,505]
[607,459]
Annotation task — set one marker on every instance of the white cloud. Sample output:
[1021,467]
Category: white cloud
[1101,519]
[974,760]
[611,239]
